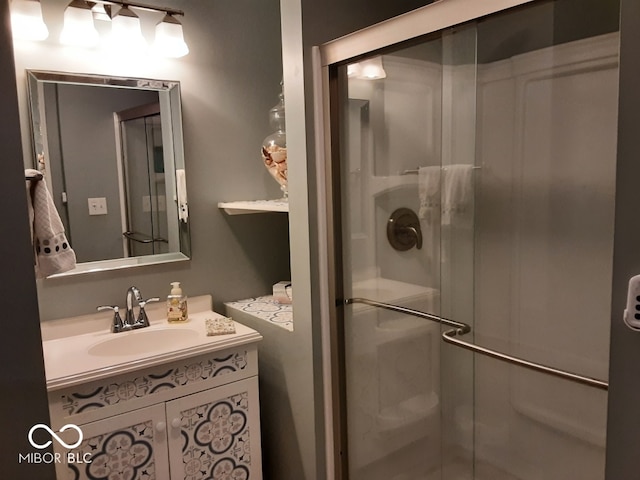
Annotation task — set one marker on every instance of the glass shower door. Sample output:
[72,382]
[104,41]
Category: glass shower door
[408,129]
[142,155]
[477,184]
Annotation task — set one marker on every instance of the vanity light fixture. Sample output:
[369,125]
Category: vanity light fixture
[170,38]
[102,12]
[354,70]
[372,69]
[126,32]
[369,69]
[26,20]
[78,29]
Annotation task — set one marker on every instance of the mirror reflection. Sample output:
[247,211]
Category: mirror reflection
[112,154]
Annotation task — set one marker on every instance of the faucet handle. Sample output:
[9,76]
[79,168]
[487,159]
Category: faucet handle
[143,303]
[142,316]
[117,325]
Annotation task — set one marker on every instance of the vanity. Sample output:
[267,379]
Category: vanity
[162,402]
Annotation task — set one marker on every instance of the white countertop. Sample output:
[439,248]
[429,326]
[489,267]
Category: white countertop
[68,360]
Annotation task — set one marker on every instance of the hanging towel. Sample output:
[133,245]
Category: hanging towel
[181,187]
[429,193]
[52,252]
[456,192]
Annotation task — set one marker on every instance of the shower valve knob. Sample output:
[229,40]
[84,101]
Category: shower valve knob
[403,230]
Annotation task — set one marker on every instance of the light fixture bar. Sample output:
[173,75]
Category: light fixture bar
[142,6]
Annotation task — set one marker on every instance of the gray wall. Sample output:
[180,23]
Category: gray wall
[229,81]
[624,367]
[24,401]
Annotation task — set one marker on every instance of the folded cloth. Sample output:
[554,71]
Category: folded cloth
[52,251]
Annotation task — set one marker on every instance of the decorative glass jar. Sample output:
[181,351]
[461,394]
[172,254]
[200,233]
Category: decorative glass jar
[274,147]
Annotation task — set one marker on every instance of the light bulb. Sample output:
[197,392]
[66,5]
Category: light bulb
[26,20]
[169,40]
[79,29]
[126,33]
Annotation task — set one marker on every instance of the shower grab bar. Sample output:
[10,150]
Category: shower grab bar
[459,329]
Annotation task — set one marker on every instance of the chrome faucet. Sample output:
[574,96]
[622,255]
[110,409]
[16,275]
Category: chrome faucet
[130,322]
[129,317]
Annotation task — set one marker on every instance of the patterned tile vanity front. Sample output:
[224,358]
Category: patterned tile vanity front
[191,418]
[111,396]
[213,434]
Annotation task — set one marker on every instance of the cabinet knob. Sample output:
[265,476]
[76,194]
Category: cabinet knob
[161,426]
[175,423]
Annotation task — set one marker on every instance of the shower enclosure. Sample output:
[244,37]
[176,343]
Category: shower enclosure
[141,153]
[472,181]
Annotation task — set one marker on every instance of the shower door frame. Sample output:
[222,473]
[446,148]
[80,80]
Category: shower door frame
[429,19]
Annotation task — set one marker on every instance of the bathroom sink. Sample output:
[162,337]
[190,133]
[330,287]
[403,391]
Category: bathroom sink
[81,349]
[143,341]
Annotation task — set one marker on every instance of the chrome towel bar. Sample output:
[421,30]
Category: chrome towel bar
[459,329]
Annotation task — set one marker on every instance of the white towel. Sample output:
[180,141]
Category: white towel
[456,192]
[181,187]
[429,193]
[52,251]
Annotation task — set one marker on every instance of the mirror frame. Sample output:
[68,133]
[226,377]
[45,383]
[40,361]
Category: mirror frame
[170,101]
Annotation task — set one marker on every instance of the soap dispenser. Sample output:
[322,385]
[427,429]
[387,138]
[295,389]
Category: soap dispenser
[176,305]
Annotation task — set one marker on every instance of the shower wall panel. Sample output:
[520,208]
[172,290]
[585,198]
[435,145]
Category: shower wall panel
[544,241]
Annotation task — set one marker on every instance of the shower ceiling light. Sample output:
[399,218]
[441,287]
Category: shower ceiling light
[78,27]
[126,34]
[169,40]
[26,20]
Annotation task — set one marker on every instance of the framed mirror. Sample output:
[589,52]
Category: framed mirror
[112,155]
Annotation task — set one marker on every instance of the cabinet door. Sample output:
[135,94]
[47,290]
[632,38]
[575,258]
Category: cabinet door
[216,434]
[131,446]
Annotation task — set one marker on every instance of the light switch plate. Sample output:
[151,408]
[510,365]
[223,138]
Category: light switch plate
[97,206]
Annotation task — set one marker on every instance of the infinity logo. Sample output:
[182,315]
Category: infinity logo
[53,434]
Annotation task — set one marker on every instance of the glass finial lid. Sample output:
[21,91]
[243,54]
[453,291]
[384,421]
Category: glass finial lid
[274,147]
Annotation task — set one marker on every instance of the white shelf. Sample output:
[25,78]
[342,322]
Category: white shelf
[254,206]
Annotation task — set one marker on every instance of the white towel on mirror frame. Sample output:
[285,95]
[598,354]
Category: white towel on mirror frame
[181,188]
[52,252]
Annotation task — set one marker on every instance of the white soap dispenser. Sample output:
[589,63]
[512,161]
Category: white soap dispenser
[177,305]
